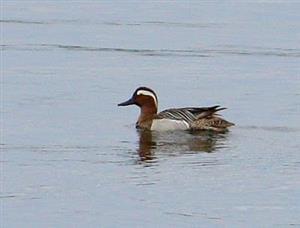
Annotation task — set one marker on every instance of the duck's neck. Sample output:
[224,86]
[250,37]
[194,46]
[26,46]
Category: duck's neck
[146,117]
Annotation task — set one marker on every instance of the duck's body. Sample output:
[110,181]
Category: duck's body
[190,118]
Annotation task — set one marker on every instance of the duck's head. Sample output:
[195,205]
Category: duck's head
[142,97]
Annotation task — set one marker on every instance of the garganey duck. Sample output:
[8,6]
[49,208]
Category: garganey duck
[190,118]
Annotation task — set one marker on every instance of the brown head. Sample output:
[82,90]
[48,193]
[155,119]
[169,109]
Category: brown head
[146,99]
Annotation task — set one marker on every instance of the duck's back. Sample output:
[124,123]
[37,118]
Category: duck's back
[192,118]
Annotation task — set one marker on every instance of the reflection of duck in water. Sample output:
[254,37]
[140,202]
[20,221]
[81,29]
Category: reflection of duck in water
[152,143]
[146,145]
[191,118]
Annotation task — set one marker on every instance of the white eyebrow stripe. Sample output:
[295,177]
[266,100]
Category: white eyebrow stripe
[147,93]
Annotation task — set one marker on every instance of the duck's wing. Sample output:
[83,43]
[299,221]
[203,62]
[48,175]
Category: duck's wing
[204,118]
[183,114]
[189,114]
[205,112]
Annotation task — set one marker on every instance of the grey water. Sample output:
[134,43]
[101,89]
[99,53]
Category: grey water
[71,158]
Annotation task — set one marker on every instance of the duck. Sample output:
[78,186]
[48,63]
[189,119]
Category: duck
[188,118]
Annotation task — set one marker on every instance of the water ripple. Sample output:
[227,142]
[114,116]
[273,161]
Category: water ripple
[113,23]
[49,148]
[271,128]
[197,52]
[14,21]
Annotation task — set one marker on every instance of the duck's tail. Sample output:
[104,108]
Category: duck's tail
[209,119]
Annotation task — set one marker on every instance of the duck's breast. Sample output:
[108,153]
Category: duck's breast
[169,125]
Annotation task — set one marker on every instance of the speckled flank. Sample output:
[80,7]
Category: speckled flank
[169,125]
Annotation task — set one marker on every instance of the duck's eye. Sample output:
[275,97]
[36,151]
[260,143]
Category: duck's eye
[147,93]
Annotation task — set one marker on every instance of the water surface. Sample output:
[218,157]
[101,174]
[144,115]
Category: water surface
[71,158]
